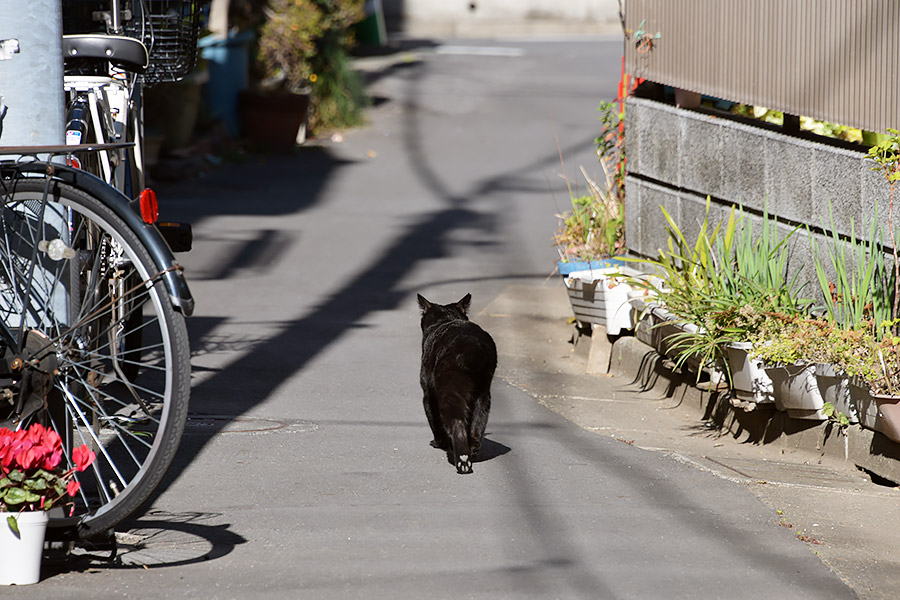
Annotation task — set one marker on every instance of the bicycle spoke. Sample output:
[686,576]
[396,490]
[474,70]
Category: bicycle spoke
[95,331]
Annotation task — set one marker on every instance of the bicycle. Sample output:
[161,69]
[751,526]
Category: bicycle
[112,49]
[92,302]
[69,242]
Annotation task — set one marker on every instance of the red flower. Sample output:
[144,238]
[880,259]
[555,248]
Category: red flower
[83,457]
[34,434]
[51,461]
[28,458]
[7,453]
[72,487]
[52,439]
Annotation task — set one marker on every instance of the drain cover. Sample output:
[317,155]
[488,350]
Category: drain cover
[200,424]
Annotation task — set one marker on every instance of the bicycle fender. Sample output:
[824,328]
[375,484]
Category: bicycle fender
[116,201]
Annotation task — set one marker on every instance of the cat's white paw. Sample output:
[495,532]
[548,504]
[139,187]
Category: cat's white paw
[464,465]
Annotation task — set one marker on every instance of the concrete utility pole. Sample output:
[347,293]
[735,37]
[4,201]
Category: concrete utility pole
[31,73]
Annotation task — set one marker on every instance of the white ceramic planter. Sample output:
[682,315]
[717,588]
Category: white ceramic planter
[640,316]
[749,381]
[599,299]
[835,388]
[20,556]
[796,391]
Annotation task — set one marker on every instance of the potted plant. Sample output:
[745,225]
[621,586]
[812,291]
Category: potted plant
[303,72]
[591,233]
[873,366]
[274,112]
[676,286]
[33,480]
[790,354]
[590,237]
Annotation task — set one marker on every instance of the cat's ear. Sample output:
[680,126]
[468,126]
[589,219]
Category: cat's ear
[423,303]
[464,303]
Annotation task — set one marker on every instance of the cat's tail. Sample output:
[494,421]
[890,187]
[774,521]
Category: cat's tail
[459,440]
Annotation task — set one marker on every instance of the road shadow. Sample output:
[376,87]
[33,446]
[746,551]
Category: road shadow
[491,450]
[293,184]
[156,540]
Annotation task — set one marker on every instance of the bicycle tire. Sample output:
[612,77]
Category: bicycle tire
[133,422]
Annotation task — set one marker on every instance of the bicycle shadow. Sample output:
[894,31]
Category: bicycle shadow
[157,539]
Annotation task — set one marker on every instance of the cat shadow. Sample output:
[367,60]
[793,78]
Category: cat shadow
[490,449]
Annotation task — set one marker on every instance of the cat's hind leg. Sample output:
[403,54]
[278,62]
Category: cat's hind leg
[434,422]
[459,438]
[478,422]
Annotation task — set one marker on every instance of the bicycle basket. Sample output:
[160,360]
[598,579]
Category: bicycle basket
[169,29]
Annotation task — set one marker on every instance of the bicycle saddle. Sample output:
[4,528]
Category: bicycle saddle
[125,52]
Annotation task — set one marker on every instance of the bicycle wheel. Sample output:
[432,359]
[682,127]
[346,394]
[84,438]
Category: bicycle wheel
[70,312]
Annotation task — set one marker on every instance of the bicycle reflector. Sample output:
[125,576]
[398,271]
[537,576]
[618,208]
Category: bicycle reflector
[149,206]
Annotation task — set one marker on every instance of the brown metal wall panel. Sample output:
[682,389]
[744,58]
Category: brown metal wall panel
[835,60]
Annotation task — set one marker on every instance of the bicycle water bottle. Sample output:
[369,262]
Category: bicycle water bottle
[76,125]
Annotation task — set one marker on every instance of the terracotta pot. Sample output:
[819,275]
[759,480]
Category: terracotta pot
[273,120]
[888,415]
[879,412]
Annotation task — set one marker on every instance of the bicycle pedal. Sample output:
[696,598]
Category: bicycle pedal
[179,236]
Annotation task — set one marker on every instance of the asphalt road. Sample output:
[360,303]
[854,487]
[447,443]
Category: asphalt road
[306,471]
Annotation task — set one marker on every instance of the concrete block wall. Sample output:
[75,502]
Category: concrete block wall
[677,157]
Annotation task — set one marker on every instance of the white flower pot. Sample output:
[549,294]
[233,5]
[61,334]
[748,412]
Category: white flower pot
[749,381]
[640,316]
[796,391]
[20,556]
[597,298]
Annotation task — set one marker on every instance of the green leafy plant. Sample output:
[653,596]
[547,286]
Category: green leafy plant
[731,283]
[856,352]
[682,285]
[30,474]
[287,41]
[304,44]
[859,295]
[841,420]
[787,340]
[776,117]
[594,228]
[611,142]
[886,155]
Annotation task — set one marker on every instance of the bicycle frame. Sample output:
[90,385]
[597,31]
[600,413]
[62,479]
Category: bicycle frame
[159,250]
[112,115]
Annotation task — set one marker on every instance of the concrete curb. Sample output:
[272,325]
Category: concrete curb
[634,360]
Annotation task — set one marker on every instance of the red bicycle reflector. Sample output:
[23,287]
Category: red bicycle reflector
[73,161]
[149,207]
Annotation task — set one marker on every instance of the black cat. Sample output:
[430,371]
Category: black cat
[458,362]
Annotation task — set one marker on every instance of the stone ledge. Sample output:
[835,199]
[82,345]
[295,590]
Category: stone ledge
[635,360]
